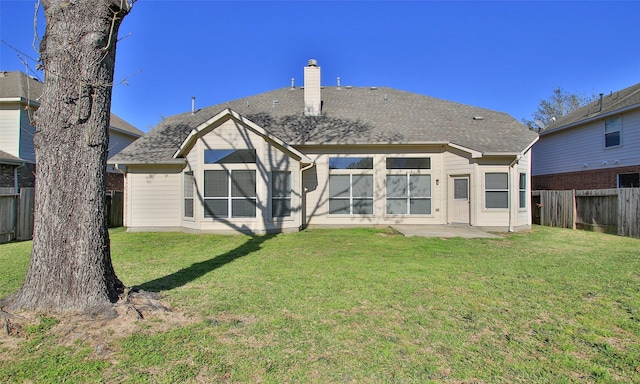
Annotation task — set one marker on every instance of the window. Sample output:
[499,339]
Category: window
[280,194]
[351,163]
[496,190]
[408,163]
[188,194]
[350,187]
[351,194]
[229,156]
[408,194]
[629,180]
[230,193]
[461,189]
[523,190]
[612,128]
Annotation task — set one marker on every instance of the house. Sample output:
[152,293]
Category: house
[19,94]
[594,147]
[330,156]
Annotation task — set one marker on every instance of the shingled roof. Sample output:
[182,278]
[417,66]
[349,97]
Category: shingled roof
[611,104]
[350,115]
[19,85]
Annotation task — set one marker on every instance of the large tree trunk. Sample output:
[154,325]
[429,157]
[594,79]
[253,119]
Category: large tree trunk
[70,268]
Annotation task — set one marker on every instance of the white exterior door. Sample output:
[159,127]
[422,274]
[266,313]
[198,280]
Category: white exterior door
[459,202]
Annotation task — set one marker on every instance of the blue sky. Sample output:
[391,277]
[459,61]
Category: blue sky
[501,55]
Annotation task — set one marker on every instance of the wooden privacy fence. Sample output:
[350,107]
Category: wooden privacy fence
[615,211]
[16,213]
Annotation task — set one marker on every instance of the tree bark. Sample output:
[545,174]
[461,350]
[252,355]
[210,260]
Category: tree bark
[70,268]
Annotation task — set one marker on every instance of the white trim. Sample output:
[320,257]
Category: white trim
[231,114]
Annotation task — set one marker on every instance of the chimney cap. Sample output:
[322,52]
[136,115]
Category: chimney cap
[312,63]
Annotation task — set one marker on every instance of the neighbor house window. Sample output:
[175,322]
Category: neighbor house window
[280,194]
[523,190]
[189,183]
[629,180]
[230,193]
[351,186]
[496,190]
[612,129]
[408,192]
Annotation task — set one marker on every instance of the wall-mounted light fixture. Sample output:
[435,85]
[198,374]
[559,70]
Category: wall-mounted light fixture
[437,181]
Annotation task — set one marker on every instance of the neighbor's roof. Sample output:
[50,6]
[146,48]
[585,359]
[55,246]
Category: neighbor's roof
[613,103]
[350,115]
[6,158]
[19,85]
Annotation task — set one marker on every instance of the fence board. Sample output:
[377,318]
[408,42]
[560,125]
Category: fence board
[557,208]
[629,208]
[615,211]
[115,208]
[17,212]
[26,206]
[7,217]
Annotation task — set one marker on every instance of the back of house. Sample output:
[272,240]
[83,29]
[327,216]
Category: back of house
[331,156]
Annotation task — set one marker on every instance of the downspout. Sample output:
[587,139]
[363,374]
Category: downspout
[513,214]
[16,187]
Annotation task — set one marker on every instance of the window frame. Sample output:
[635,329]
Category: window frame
[628,174]
[351,198]
[231,196]
[366,170]
[189,180]
[617,132]
[286,197]
[496,190]
[408,197]
[522,190]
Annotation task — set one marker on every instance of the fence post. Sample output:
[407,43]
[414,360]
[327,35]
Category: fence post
[574,209]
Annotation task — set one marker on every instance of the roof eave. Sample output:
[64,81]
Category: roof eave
[176,161]
[591,119]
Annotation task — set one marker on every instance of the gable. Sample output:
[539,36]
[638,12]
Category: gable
[229,130]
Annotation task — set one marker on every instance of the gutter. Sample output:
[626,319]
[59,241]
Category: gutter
[589,120]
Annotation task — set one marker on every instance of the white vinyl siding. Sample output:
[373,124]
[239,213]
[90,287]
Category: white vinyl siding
[154,199]
[9,130]
[280,194]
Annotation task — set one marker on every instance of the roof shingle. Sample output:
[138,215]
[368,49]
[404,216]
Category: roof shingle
[350,115]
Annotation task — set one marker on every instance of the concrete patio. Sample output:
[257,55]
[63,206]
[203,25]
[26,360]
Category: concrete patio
[445,231]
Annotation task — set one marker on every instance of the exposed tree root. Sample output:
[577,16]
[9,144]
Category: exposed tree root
[97,326]
[11,323]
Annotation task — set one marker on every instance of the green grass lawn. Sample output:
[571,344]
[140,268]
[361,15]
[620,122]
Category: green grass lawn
[361,306]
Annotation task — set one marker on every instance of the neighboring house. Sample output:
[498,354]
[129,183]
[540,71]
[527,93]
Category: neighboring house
[594,147]
[19,95]
[329,156]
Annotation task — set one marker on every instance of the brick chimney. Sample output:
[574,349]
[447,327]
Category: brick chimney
[312,95]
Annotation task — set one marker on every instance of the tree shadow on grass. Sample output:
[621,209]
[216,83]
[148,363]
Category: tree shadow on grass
[196,270]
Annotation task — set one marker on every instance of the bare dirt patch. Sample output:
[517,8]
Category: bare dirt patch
[135,312]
